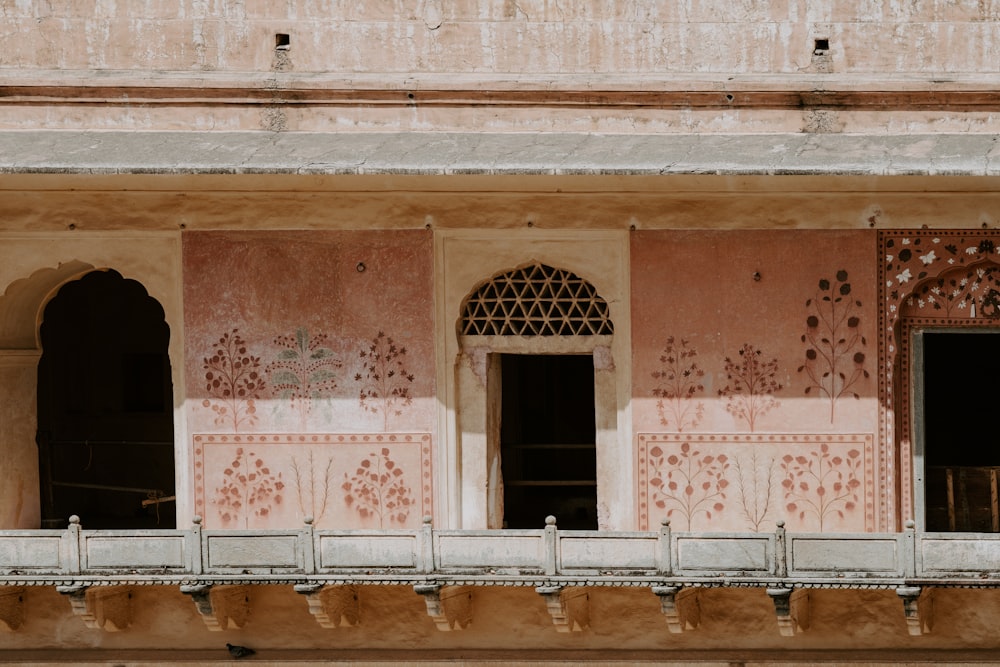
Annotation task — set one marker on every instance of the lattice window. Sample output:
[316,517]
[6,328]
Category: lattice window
[536,300]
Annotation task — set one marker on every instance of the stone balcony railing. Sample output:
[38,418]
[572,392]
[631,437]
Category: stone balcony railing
[215,566]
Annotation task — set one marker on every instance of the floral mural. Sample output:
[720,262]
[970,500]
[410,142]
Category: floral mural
[234,382]
[303,371]
[385,382]
[834,359]
[687,483]
[751,385]
[748,482]
[340,480]
[678,386]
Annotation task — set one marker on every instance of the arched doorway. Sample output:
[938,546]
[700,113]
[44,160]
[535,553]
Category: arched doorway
[105,413]
[545,332]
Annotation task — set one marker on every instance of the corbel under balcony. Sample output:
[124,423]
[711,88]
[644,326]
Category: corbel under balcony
[332,606]
[918,607]
[11,607]
[101,607]
[791,606]
[449,606]
[680,606]
[568,607]
[220,607]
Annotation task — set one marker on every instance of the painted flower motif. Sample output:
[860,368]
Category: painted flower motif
[928,258]
[892,308]
[962,304]
[906,241]
[904,276]
[888,258]
[951,260]
[971,250]
[935,240]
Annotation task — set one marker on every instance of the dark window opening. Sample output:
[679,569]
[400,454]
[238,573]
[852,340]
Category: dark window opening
[547,440]
[961,457]
[105,414]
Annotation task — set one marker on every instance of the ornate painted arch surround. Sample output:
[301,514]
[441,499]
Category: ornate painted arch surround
[927,278]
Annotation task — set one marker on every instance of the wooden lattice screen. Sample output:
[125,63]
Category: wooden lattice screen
[536,300]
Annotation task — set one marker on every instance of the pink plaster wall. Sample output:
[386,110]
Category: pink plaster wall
[754,379]
[324,342]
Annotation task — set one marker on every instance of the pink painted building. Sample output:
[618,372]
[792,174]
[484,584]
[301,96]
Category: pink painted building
[499,331]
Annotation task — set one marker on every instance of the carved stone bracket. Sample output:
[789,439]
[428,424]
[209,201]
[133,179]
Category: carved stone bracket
[680,606]
[918,607]
[220,607]
[791,608]
[569,608]
[449,606]
[11,608]
[332,606]
[103,607]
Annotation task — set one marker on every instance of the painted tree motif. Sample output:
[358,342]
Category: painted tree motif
[385,384]
[752,383]
[835,360]
[821,484]
[377,489]
[688,484]
[248,488]
[755,481]
[233,378]
[679,378]
[304,371]
[312,485]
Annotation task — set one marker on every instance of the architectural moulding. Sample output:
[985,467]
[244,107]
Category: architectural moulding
[102,608]
[449,606]
[332,606]
[220,607]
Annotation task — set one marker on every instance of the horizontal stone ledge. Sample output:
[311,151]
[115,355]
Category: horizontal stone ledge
[496,154]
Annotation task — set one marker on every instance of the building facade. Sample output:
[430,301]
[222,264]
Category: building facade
[499,331]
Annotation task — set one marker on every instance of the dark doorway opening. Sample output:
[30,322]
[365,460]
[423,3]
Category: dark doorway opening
[961,457]
[105,409]
[547,441]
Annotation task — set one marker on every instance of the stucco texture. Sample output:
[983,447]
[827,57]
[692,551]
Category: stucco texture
[754,379]
[324,342]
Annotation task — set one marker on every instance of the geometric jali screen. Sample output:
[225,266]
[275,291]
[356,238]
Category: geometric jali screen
[536,300]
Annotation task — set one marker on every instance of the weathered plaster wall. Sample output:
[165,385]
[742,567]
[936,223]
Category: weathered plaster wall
[739,620]
[744,348]
[325,338]
[546,36]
